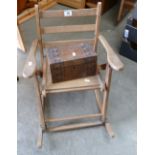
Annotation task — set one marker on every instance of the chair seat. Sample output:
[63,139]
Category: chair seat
[91,82]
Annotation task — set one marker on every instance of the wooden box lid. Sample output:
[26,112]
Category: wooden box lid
[76,53]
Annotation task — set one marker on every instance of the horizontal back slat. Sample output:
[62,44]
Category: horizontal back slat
[50,44]
[68,28]
[70,13]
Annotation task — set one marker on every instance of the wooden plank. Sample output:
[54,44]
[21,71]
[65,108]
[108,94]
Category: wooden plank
[44,79]
[98,19]
[49,44]
[91,5]
[20,39]
[73,3]
[112,57]
[39,104]
[87,83]
[39,35]
[73,118]
[74,13]
[76,89]
[130,4]
[120,10]
[74,126]
[104,106]
[92,81]
[98,100]
[68,28]
[29,13]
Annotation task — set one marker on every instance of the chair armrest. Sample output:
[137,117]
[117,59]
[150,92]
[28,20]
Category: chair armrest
[112,57]
[30,64]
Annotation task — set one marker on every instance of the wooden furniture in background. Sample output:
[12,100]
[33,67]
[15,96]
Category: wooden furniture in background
[24,4]
[95,83]
[73,3]
[29,13]
[106,4]
[125,6]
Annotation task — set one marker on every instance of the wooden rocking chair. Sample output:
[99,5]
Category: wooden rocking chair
[95,82]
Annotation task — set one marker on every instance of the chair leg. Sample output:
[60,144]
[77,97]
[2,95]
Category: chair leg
[104,105]
[106,92]
[98,100]
[39,105]
[109,130]
[40,138]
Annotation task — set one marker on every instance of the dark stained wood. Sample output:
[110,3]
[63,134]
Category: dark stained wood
[24,4]
[73,3]
[125,6]
[106,4]
[29,13]
[72,62]
[103,66]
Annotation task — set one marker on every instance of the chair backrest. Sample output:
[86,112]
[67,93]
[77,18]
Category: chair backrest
[67,28]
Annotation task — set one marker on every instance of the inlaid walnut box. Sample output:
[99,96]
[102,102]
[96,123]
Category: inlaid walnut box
[72,62]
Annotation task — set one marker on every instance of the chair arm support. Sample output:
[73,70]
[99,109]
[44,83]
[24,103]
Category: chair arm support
[30,64]
[112,57]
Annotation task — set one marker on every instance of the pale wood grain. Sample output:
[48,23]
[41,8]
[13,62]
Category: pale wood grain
[49,44]
[74,126]
[97,24]
[98,99]
[20,40]
[112,57]
[106,92]
[60,13]
[75,84]
[73,118]
[39,103]
[68,28]
[39,34]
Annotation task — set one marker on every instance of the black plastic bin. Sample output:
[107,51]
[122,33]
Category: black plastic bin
[129,49]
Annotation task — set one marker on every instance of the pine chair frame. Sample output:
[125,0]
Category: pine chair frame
[95,84]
